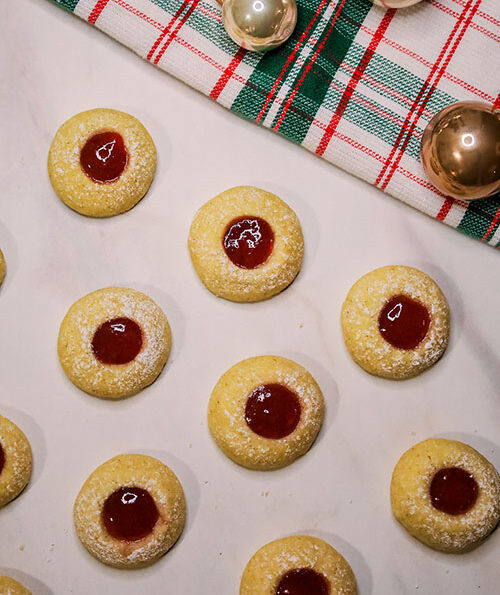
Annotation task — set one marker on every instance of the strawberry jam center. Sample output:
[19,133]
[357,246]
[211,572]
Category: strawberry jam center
[117,341]
[302,581]
[248,241]
[104,157]
[453,490]
[129,514]
[2,457]
[272,411]
[403,322]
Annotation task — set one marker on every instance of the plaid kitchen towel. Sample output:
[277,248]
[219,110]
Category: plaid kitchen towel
[356,84]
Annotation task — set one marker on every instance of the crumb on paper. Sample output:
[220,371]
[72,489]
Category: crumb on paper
[21,548]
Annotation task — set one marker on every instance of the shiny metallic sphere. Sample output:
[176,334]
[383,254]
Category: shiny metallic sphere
[395,3]
[460,150]
[259,25]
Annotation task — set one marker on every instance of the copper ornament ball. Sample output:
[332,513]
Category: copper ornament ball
[460,150]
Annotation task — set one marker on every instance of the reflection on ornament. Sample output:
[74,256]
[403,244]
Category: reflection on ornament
[259,25]
[460,150]
[395,3]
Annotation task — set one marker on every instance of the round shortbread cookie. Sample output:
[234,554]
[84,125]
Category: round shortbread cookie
[246,244]
[396,322]
[307,563]
[130,511]
[16,461]
[102,162]
[446,494]
[265,412]
[9,586]
[114,342]
[3,268]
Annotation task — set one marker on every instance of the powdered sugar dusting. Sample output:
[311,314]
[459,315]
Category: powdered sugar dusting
[80,324]
[361,310]
[9,586]
[130,471]
[227,412]
[16,471]
[214,267]
[76,188]
[268,565]
[415,510]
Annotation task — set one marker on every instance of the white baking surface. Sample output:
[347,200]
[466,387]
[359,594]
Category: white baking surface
[52,66]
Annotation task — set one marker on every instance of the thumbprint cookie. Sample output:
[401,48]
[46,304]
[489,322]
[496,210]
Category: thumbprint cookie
[298,565]
[265,412]
[102,162]
[446,494]
[8,586]
[246,244]
[130,511]
[15,461]
[395,322]
[114,342]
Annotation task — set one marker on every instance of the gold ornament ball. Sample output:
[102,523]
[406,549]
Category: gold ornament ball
[460,150]
[395,3]
[259,25]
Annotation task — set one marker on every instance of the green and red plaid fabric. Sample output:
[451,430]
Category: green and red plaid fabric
[355,84]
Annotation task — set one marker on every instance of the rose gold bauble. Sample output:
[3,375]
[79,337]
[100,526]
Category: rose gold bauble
[460,150]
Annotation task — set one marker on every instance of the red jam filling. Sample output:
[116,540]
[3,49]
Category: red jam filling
[453,490]
[403,322]
[302,581]
[248,241]
[272,411]
[104,157]
[117,341]
[2,458]
[129,514]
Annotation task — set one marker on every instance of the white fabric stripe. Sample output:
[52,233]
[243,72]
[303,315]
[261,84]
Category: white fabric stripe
[433,78]
[307,50]
[84,8]
[495,239]
[456,214]
[235,84]
[277,104]
[342,79]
